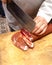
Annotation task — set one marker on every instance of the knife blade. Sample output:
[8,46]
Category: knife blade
[24,20]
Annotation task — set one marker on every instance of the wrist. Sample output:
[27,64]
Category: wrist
[44,15]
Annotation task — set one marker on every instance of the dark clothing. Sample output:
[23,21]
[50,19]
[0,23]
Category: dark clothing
[50,21]
[1,9]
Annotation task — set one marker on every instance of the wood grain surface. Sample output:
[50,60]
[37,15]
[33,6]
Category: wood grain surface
[41,54]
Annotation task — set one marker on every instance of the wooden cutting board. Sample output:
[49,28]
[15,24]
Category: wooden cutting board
[41,54]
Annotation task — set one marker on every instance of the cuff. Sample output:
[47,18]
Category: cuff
[44,15]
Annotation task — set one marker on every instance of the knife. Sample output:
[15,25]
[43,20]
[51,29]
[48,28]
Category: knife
[24,20]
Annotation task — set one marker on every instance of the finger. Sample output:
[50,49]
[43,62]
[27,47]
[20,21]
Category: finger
[37,27]
[40,29]
[21,44]
[27,34]
[43,31]
[29,43]
[18,41]
[27,37]
[37,19]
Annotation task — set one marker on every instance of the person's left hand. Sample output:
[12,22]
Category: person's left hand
[41,25]
[23,39]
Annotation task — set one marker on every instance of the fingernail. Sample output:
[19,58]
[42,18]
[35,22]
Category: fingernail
[32,45]
[31,39]
[26,48]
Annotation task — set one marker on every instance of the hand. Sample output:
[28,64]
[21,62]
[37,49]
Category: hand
[23,39]
[41,25]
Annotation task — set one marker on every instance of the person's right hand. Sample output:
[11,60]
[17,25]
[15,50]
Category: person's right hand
[41,25]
